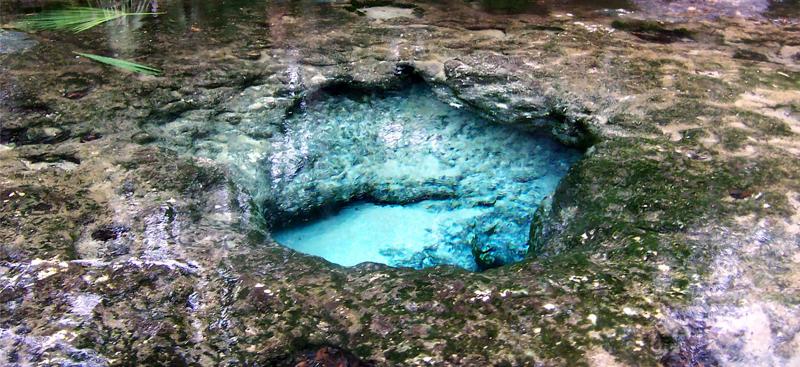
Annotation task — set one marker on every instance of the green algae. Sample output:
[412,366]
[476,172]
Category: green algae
[659,189]
[767,125]
[732,138]
[628,268]
[708,88]
[684,111]
[743,54]
[185,176]
[770,78]
[693,136]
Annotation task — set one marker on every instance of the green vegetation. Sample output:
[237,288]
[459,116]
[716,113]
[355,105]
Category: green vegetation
[76,19]
[122,64]
[732,138]
[79,19]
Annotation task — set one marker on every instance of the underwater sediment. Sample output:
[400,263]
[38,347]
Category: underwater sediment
[139,214]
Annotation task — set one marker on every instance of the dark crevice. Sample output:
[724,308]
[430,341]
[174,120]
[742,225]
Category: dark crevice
[107,233]
[405,76]
[652,31]
[52,158]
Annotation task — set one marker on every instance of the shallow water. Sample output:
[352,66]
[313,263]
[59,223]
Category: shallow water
[113,233]
[433,183]
[406,235]
[395,177]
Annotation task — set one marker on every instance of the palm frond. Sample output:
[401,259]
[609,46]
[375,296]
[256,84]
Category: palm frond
[122,64]
[76,19]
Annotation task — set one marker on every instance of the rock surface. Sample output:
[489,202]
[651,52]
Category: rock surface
[673,241]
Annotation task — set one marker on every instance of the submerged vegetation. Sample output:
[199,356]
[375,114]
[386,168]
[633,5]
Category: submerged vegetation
[121,64]
[75,19]
[79,19]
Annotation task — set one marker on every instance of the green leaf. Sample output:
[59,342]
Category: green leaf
[76,19]
[122,64]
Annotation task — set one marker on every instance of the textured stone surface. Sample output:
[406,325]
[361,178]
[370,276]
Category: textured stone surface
[14,42]
[674,236]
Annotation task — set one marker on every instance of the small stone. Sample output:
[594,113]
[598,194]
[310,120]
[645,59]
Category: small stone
[740,194]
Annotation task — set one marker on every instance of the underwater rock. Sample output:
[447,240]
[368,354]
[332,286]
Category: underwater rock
[12,42]
[652,31]
[750,55]
[641,257]
[441,175]
[331,357]
[485,257]
[77,86]
[107,233]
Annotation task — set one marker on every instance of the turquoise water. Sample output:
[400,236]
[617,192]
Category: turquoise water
[407,235]
[403,179]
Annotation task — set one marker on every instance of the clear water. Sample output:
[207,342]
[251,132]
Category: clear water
[403,179]
[405,235]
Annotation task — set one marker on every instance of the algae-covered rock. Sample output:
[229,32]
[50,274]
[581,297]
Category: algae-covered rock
[129,236]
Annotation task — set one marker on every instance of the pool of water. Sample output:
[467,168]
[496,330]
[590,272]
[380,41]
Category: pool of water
[401,235]
[404,179]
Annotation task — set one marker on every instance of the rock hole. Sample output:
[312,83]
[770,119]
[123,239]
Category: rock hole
[401,178]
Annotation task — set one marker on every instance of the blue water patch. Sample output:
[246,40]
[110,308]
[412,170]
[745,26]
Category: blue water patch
[403,179]
[403,235]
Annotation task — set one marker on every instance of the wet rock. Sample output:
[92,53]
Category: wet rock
[740,194]
[744,54]
[33,135]
[45,135]
[42,221]
[90,136]
[637,230]
[107,233]
[485,257]
[155,166]
[142,137]
[76,86]
[48,154]
[386,12]
[652,31]
[331,357]
[15,42]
